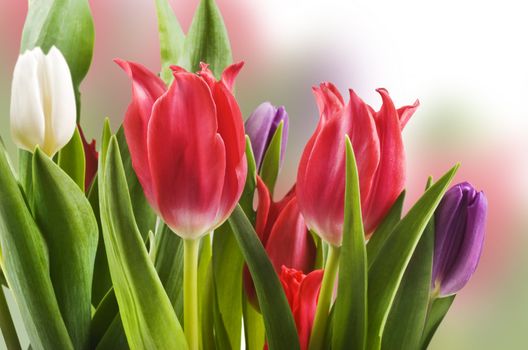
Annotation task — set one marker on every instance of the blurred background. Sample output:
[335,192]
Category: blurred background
[466,61]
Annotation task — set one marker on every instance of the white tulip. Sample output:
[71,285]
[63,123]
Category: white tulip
[43,110]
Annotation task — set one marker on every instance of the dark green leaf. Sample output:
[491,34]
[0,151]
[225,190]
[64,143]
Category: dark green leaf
[25,264]
[246,200]
[72,160]
[278,320]
[68,225]
[350,313]
[207,40]
[269,170]
[386,274]
[148,318]
[437,311]
[171,38]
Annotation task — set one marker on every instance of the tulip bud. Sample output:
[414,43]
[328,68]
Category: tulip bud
[43,109]
[459,235]
[378,148]
[261,126]
[90,156]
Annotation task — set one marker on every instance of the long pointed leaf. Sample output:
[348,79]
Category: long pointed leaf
[438,309]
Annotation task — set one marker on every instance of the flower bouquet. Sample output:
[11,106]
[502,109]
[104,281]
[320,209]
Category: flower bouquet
[167,235]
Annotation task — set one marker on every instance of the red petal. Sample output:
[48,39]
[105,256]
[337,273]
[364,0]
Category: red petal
[329,101]
[390,176]
[231,130]
[230,73]
[405,113]
[304,310]
[146,89]
[290,243]
[207,75]
[90,156]
[187,156]
[264,201]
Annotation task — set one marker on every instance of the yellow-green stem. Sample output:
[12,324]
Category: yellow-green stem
[190,292]
[325,298]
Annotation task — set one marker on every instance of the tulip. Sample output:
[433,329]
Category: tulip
[376,139]
[187,146]
[460,222]
[302,292]
[90,156]
[261,126]
[43,109]
[283,233]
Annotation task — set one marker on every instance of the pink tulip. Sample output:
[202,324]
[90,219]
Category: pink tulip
[187,146]
[378,147]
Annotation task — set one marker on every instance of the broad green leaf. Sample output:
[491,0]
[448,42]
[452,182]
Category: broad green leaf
[204,284]
[25,174]
[270,167]
[25,263]
[66,24]
[437,311]
[207,40]
[72,160]
[228,263]
[207,311]
[350,311]
[387,272]
[68,225]
[384,230]
[254,331]
[6,324]
[148,318]
[278,320]
[246,200]
[171,38]
[114,338]
[103,317]
[407,315]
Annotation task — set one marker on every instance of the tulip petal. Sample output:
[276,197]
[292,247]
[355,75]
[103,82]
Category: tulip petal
[258,128]
[58,101]
[390,176]
[329,101]
[264,201]
[186,156]
[27,115]
[146,89]
[230,73]
[304,310]
[231,130]
[289,242]
[405,113]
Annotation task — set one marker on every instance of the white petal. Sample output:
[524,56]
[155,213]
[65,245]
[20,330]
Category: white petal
[26,114]
[60,100]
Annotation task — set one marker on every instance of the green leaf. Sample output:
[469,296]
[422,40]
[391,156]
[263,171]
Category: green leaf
[269,170]
[254,331]
[114,338]
[25,263]
[171,38]
[103,317]
[437,311]
[72,160]
[207,311]
[384,230]
[278,320]
[66,24]
[228,263]
[68,225]
[207,40]
[350,312]
[386,273]
[148,318]
[407,316]
[246,200]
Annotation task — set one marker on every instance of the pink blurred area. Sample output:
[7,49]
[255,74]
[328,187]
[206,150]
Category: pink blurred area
[289,46]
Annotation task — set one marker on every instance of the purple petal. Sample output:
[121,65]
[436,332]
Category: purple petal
[258,128]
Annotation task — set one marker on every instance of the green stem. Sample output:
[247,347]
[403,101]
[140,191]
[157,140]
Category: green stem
[190,291]
[325,298]
[6,324]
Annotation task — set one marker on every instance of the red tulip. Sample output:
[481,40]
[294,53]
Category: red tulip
[187,146]
[283,233]
[376,139]
[90,155]
[302,292]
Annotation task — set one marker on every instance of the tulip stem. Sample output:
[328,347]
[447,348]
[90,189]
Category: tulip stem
[190,291]
[325,298]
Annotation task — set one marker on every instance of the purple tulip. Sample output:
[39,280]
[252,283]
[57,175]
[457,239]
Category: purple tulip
[459,224]
[261,126]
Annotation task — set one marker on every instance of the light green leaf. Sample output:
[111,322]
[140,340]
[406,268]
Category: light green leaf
[246,200]
[25,263]
[384,230]
[148,318]
[72,160]
[254,331]
[437,311]
[66,24]
[386,273]
[278,320]
[68,225]
[171,38]
[350,311]
[207,40]
[269,170]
